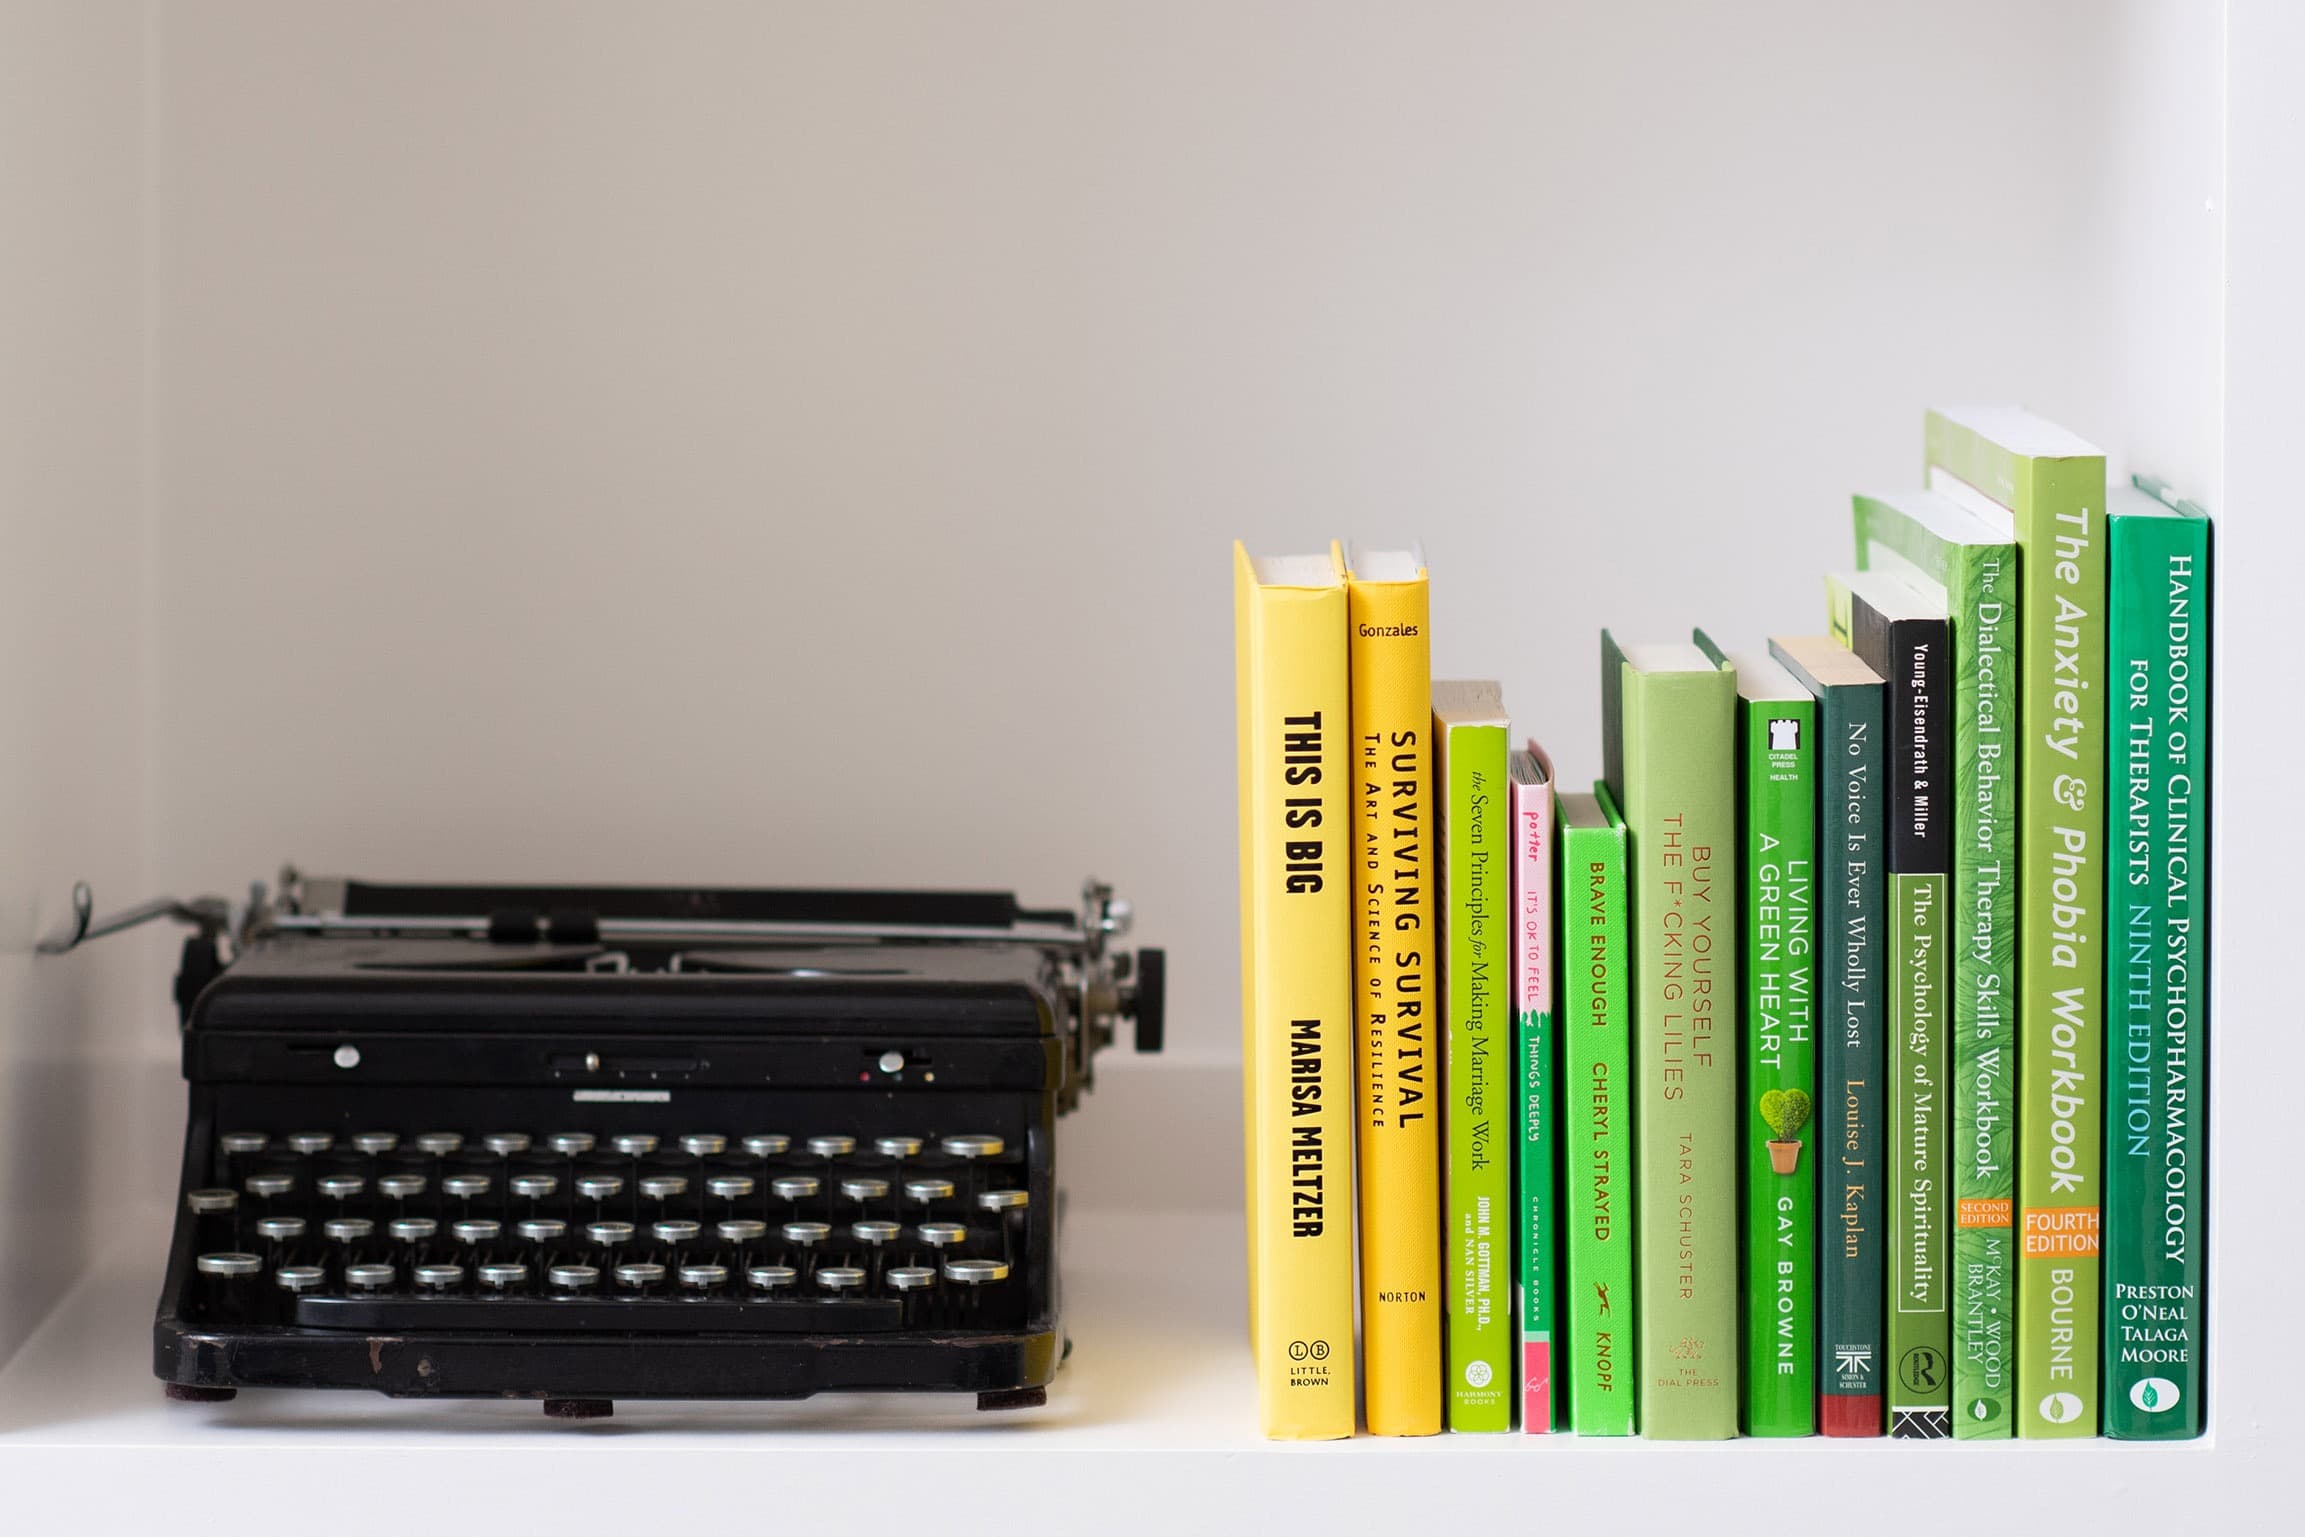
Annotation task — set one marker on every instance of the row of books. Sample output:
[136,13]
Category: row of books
[1835,1065]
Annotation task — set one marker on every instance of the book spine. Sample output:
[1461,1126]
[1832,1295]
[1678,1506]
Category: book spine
[1850,1057]
[1536,1196]
[1399,1108]
[1681,817]
[1920,1312]
[1297,1003]
[1598,1144]
[2156,1196]
[2061,965]
[1780,1184]
[1983,937]
[1477,1198]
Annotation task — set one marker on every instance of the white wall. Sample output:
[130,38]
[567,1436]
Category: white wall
[732,442]
[73,625]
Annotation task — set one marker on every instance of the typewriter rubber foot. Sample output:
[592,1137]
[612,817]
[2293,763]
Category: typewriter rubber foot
[579,1408]
[1012,1398]
[187,1393]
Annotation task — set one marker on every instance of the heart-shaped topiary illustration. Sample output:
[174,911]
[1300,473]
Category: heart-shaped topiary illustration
[1786,1111]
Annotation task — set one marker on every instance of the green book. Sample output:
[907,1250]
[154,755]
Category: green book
[1597,1112]
[1668,743]
[1776,943]
[2044,488]
[2155,1195]
[1852,871]
[1945,550]
[1536,1097]
[1475,812]
[1905,636]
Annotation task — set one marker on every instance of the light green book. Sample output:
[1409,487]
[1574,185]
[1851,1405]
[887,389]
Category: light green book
[2044,489]
[1777,945]
[1475,804]
[1668,736]
[1945,550]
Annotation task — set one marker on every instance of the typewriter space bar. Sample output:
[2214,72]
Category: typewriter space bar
[543,1315]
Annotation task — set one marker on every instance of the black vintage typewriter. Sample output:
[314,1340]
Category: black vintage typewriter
[587,1144]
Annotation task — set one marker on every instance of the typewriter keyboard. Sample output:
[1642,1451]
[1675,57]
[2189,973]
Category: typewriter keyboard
[628,1232]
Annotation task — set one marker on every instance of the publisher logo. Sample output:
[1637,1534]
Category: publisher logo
[2061,1408]
[1314,1350]
[2155,1395]
[1984,1410]
[1921,1369]
[1477,1374]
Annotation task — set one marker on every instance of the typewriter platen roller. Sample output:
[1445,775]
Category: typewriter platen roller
[583,1144]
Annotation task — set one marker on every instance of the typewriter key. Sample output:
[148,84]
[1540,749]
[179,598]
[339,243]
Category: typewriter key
[806,1235]
[677,1230]
[928,1191]
[242,1143]
[973,1146]
[229,1264]
[767,1144]
[663,1187]
[635,1144]
[573,1280]
[910,1278]
[599,1187]
[897,1147]
[477,1230]
[741,1230]
[696,1280]
[840,1278]
[370,1278]
[829,1148]
[309,1142]
[412,1229]
[534,1186]
[863,1190]
[702,1144]
[542,1229]
[465,1186]
[975,1272]
[340,1187]
[269,1185]
[639,1276]
[502,1277]
[376,1143]
[439,1278]
[440,1143]
[942,1235]
[401,1187]
[347,1229]
[296,1279]
[608,1234]
[770,1278]
[730,1187]
[873,1234]
[1004,1200]
[796,1187]
[570,1144]
[206,1201]
[505,1143]
[280,1229]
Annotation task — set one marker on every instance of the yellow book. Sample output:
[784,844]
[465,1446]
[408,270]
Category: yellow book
[1296,987]
[1398,1111]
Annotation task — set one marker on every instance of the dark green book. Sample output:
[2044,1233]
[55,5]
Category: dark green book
[1942,547]
[1852,870]
[1594,979]
[1777,949]
[1904,635]
[2158,1017]
[1668,742]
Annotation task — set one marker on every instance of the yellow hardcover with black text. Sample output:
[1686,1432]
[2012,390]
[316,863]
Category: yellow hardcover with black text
[1398,1108]
[1296,987]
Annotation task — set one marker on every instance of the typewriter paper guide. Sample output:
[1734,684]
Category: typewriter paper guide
[812,988]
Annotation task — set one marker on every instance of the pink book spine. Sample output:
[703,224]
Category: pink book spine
[1535,1238]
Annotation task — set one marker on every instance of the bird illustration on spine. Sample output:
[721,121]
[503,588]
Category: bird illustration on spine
[1785,1111]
